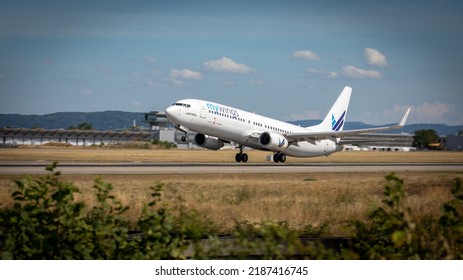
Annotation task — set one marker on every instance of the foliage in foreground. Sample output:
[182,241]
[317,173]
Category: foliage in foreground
[46,222]
[392,231]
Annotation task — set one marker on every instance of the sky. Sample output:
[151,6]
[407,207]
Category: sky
[288,59]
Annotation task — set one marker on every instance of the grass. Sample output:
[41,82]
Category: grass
[320,199]
[94,154]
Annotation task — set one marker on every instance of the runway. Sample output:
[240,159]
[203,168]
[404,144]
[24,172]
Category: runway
[169,168]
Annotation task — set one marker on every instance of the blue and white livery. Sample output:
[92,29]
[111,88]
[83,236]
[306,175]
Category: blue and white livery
[217,124]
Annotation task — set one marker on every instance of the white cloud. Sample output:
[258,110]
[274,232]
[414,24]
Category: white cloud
[332,74]
[327,74]
[151,84]
[425,113]
[150,59]
[306,54]
[177,82]
[355,72]
[226,64]
[185,74]
[86,92]
[257,82]
[136,103]
[306,115]
[431,112]
[375,57]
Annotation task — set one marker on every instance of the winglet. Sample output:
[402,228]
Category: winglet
[404,119]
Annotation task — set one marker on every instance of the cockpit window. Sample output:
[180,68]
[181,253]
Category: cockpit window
[182,104]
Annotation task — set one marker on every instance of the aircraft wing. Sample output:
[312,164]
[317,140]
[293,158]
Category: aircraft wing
[320,135]
[366,141]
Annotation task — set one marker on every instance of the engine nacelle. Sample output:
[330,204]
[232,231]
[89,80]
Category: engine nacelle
[273,141]
[208,142]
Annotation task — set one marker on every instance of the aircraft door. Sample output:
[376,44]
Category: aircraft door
[203,112]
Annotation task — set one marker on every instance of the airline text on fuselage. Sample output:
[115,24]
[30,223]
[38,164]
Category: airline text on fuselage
[223,110]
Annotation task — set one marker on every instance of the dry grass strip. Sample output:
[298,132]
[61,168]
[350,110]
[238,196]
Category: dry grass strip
[93,154]
[300,199]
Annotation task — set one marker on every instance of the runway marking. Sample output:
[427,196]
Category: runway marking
[169,168]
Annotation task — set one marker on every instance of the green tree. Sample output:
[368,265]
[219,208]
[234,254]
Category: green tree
[82,126]
[424,137]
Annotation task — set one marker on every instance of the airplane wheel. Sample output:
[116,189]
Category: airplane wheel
[279,157]
[241,157]
[185,139]
[276,158]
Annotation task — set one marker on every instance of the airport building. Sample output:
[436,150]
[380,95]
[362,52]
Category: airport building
[451,142]
[163,130]
[75,137]
[401,142]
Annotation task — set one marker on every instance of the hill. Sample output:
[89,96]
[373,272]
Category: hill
[117,120]
[107,120]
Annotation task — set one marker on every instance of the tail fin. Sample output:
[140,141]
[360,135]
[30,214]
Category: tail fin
[336,117]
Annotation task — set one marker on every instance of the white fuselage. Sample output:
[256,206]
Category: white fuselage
[244,128]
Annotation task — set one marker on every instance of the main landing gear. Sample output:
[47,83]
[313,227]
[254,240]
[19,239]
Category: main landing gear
[185,138]
[241,157]
[279,157]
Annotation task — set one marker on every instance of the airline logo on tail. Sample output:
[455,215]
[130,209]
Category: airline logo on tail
[337,125]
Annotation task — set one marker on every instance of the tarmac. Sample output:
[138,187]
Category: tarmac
[24,167]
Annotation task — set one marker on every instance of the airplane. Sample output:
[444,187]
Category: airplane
[216,124]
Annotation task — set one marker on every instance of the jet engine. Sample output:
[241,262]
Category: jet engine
[208,142]
[273,141]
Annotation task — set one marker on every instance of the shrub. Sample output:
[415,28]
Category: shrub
[276,241]
[164,144]
[392,232]
[46,222]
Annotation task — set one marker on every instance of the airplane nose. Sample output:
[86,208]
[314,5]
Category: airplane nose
[170,113]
